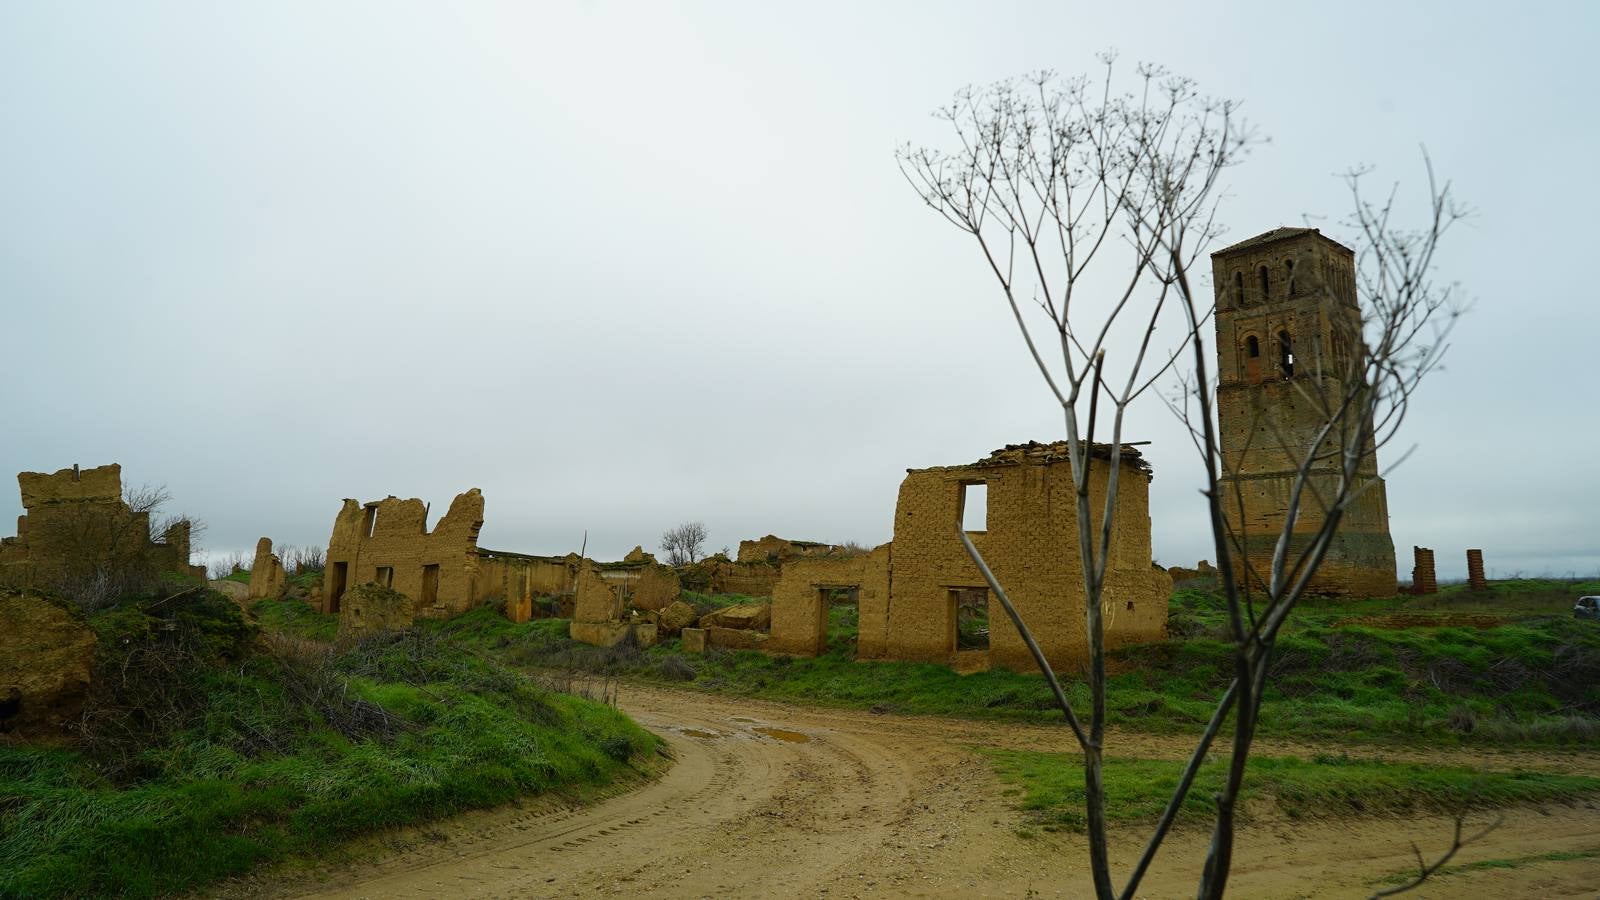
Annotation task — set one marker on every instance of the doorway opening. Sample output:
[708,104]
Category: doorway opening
[970,606]
[336,585]
[840,616]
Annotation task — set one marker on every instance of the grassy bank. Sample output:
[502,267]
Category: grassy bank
[1050,788]
[220,750]
[1530,679]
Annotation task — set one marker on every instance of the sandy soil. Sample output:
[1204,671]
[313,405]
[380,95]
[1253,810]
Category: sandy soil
[767,799]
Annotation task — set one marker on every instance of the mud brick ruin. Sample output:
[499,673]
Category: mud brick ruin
[912,591]
[267,578]
[1286,299]
[77,524]
[1475,579]
[774,549]
[387,543]
[1424,577]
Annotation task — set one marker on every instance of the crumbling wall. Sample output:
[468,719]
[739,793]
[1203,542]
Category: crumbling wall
[519,579]
[1203,569]
[371,608]
[800,601]
[77,524]
[656,587]
[720,575]
[597,600]
[908,590]
[1475,577]
[387,542]
[267,577]
[1424,578]
[46,659]
[773,549]
[1031,544]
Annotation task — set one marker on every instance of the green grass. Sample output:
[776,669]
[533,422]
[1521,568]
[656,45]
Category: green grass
[1510,862]
[274,755]
[1534,680]
[1052,792]
[295,617]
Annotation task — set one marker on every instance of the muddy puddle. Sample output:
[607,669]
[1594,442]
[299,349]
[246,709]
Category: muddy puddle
[792,737]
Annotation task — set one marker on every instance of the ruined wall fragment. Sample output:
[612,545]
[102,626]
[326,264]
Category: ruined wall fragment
[1030,541]
[1475,577]
[267,578]
[76,526]
[370,608]
[387,542]
[1424,578]
[801,599]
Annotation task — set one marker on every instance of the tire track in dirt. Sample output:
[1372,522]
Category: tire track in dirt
[767,799]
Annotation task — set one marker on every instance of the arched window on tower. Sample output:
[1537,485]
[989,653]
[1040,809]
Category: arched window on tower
[1252,359]
[1286,354]
[1238,288]
[1288,267]
[1263,273]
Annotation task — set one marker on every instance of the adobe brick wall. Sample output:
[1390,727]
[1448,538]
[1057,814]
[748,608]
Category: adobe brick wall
[1424,577]
[267,577]
[1475,578]
[597,599]
[1031,545]
[800,609]
[772,549]
[1266,420]
[906,603]
[392,534]
[76,521]
[520,577]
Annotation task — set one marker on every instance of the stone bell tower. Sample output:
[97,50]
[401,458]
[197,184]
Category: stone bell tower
[1287,324]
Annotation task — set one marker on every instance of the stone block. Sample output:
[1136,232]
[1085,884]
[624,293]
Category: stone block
[646,634]
[599,634]
[734,638]
[748,616]
[694,640]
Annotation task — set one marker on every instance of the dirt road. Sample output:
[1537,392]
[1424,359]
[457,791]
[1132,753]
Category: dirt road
[774,800]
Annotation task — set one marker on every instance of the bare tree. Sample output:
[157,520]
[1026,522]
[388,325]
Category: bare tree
[1091,208]
[684,544]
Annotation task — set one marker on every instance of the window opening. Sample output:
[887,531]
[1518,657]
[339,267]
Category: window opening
[430,585]
[1264,282]
[1286,354]
[1288,266]
[1238,288]
[384,575]
[1252,346]
[974,506]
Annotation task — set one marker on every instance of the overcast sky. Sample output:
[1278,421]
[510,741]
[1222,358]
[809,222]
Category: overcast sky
[625,265]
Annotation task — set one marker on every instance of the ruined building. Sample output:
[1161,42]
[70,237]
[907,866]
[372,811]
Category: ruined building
[775,549]
[387,542]
[1287,323]
[921,597]
[77,525]
[444,572]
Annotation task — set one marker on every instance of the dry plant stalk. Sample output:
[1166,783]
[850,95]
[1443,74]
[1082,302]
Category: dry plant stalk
[1052,176]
